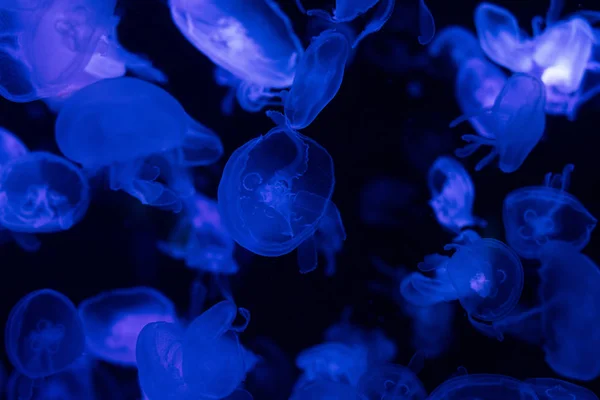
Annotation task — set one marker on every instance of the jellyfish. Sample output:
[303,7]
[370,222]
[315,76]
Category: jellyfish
[275,192]
[273,375]
[431,327]
[457,43]
[57,47]
[483,386]
[140,133]
[535,215]
[557,389]
[44,334]
[324,389]
[332,361]
[113,320]
[41,193]
[393,382]
[452,194]
[383,201]
[517,121]
[254,46]
[200,238]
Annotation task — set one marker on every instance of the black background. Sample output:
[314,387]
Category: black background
[372,128]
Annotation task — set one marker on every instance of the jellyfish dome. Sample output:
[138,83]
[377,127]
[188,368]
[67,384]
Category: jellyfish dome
[140,132]
[41,192]
[11,147]
[484,387]
[44,334]
[113,320]
[274,192]
[333,361]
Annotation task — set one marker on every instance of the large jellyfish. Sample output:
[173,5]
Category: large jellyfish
[141,133]
[537,214]
[483,386]
[275,193]
[253,44]
[113,320]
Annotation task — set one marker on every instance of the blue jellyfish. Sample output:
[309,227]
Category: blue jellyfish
[517,121]
[113,320]
[455,43]
[333,361]
[11,147]
[535,215]
[57,47]
[483,386]
[384,199]
[392,381]
[556,389]
[275,192]
[431,327]
[44,334]
[324,389]
[40,193]
[140,133]
[200,238]
[254,46]
[273,375]
[452,194]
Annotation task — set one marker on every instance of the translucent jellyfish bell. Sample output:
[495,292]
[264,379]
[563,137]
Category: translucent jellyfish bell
[391,381]
[456,43]
[141,133]
[452,194]
[11,147]
[517,121]
[256,44]
[41,192]
[44,334]
[537,214]
[333,361]
[275,191]
[113,320]
[556,389]
[484,387]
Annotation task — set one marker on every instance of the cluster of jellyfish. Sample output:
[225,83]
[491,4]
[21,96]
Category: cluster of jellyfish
[275,197]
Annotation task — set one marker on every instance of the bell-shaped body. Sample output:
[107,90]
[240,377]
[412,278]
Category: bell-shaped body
[140,132]
[538,214]
[44,334]
[41,192]
[318,78]
[11,147]
[452,194]
[200,238]
[113,320]
[484,387]
[556,389]
[391,381]
[517,121]
[455,43]
[333,361]
[274,192]
[324,389]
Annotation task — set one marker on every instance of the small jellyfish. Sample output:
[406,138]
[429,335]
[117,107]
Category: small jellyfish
[333,361]
[452,194]
[484,387]
[391,382]
[113,320]
[516,120]
[41,193]
[44,334]
[141,133]
[324,389]
[254,46]
[556,389]
[200,238]
[275,192]
[537,214]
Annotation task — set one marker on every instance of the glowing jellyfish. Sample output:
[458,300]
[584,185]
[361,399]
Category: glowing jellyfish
[324,389]
[44,334]
[255,44]
[484,387]
[457,44]
[11,147]
[41,193]
[452,194]
[537,214]
[556,389]
[391,381]
[113,320]
[333,361]
[57,47]
[141,133]
[275,192]
[516,120]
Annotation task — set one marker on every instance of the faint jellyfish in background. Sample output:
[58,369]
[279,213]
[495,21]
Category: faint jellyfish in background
[324,389]
[556,389]
[41,193]
[140,133]
[201,239]
[393,381]
[113,320]
[275,193]
[53,48]
[456,44]
[483,386]
[516,123]
[452,195]
[44,334]
[384,200]
[535,215]
[254,47]
[273,375]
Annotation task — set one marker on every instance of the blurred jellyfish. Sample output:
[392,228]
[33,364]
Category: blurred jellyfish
[336,362]
[44,334]
[452,195]
[383,201]
[483,386]
[516,123]
[200,239]
[275,193]
[537,214]
[556,389]
[254,46]
[324,389]
[57,47]
[113,320]
[456,44]
[393,382]
[273,375]
[141,133]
